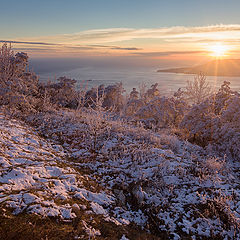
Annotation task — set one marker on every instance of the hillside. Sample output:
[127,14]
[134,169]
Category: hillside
[151,182]
[95,164]
[225,67]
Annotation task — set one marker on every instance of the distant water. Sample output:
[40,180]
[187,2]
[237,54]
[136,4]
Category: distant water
[132,77]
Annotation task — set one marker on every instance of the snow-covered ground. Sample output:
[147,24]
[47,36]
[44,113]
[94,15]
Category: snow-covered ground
[36,177]
[122,173]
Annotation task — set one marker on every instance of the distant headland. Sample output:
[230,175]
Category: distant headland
[223,67]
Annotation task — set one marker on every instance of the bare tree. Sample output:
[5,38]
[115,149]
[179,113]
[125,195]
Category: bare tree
[198,90]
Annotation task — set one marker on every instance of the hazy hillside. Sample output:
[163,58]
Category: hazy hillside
[225,67]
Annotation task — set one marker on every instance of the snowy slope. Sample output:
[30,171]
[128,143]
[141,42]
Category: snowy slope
[155,181]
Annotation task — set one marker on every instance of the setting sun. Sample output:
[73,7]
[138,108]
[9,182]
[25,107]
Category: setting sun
[218,50]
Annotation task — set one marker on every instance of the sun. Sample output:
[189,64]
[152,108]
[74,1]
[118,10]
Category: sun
[218,50]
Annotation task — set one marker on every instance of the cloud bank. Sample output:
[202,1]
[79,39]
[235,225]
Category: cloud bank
[167,40]
[98,36]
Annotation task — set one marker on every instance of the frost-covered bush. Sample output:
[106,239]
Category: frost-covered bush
[152,109]
[62,93]
[97,129]
[222,97]
[21,90]
[216,122]
[112,96]
[152,92]
[92,94]
[134,94]
[134,103]
[133,106]
[162,112]
[227,136]
[18,86]
[200,123]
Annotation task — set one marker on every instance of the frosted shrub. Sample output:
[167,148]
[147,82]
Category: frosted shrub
[134,103]
[219,207]
[113,96]
[161,112]
[97,129]
[216,121]
[152,92]
[133,106]
[11,66]
[200,123]
[153,110]
[227,135]
[92,94]
[97,122]
[63,93]
[18,86]
[171,141]
[222,97]
[214,165]
[134,94]
[179,94]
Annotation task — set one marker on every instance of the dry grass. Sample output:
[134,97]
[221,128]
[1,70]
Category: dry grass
[26,227]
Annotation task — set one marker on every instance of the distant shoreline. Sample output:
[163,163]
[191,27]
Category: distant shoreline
[220,68]
[177,70]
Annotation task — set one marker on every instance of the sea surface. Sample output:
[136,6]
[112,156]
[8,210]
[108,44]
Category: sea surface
[88,77]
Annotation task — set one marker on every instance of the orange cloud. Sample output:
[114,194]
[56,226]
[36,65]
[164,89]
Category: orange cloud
[120,41]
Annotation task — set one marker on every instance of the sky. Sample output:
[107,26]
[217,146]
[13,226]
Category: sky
[141,29]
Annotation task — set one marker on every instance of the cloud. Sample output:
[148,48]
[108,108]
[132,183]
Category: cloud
[169,53]
[31,43]
[110,40]
[116,47]
[99,36]
[72,47]
[125,48]
[65,47]
[26,49]
[202,40]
